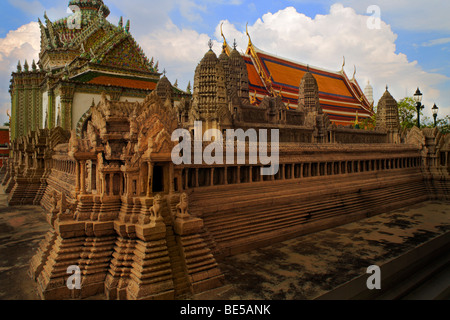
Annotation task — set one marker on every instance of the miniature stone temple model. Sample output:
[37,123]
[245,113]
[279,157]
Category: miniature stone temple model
[92,145]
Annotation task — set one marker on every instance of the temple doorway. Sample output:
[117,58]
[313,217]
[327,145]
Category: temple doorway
[158,179]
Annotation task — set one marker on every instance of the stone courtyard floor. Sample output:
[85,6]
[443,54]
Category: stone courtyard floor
[309,266]
[21,230]
[300,268]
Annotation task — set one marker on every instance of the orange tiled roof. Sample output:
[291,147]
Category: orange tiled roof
[340,97]
[122,82]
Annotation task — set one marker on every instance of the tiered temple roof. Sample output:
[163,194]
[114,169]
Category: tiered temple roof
[340,97]
[81,56]
[93,50]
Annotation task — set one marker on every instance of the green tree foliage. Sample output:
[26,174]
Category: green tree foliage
[368,123]
[407,113]
[443,124]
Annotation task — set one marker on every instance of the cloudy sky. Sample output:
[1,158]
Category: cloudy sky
[404,44]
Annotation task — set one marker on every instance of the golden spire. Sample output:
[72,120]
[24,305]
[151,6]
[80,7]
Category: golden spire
[357,121]
[354,73]
[225,48]
[250,44]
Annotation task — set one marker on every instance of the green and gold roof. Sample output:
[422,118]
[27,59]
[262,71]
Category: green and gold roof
[87,35]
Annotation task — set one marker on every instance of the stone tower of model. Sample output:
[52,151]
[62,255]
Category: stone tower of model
[308,101]
[210,99]
[387,116]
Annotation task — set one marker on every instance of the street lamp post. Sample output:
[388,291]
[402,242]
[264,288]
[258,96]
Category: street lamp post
[435,110]
[418,99]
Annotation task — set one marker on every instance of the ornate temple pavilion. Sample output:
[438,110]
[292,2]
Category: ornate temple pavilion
[81,56]
[340,97]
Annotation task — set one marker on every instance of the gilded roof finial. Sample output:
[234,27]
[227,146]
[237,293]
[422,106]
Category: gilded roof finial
[221,33]
[210,44]
[343,64]
[164,72]
[354,72]
[225,48]
[234,44]
[248,35]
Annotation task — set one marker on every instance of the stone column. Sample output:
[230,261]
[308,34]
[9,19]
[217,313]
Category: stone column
[196,177]
[129,188]
[171,177]
[212,177]
[101,190]
[111,187]
[77,177]
[150,179]
[83,177]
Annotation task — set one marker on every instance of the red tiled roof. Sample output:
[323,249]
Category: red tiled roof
[121,82]
[340,97]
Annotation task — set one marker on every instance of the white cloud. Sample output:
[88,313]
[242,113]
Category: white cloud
[436,42]
[26,34]
[21,44]
[177,50]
